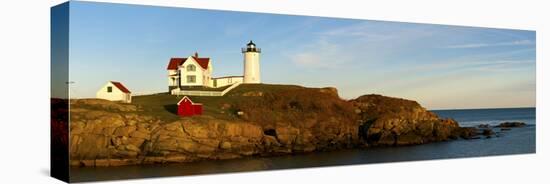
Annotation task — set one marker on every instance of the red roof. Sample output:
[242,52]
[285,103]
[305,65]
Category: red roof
[120,87]
[175,62]
[202,61]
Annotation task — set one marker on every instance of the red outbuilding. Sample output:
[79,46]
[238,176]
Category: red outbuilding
[186,107]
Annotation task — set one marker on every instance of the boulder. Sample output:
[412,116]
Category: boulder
[487,132]
[394,121]
[409,139]
[511,124]
[329,90]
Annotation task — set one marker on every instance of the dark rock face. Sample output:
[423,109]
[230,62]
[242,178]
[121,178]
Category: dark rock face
[329,90]
[487,132]
[511,124]
[393,121]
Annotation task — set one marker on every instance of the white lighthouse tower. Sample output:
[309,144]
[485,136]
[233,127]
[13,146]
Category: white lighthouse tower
[251,63]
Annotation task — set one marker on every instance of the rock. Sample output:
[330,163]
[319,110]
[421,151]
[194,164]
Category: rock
[409,139]
[487,132]
[226,156]
[298,120]
[394,121]
[153,160]
[329,90]
[253,93]
[140,134]
[132,148]
[467,132]
[198,130]
[122,162]
[483,126]
[511,124]
[225,145]
[386,138]
[286,135]
[134,141]
[102,162]
[124,131]
[88,163]
[176,158]
[270,141]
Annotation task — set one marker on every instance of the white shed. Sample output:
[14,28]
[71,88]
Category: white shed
[114,91]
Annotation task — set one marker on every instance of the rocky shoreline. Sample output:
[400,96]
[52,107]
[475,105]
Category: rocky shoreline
[104,133]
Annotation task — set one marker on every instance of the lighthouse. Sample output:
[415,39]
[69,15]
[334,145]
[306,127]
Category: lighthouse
[251,63]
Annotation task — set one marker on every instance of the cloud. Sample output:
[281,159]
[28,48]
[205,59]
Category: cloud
[381,32]
[363,30]
[321,55]
[479,45]
[372,40]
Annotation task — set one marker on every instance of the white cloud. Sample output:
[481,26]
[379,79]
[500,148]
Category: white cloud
[479,45]
[321,54]
[364,30]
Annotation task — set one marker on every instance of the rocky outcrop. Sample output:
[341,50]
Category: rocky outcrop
[329,90]
[296,120]
[123,136]
[393,121]
[511,124]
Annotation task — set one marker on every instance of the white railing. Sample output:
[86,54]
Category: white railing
[146,93]
[230,88]
[203,93]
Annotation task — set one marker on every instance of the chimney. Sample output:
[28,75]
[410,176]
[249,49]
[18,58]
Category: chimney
[196,54]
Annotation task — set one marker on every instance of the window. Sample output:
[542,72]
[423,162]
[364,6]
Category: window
[191,79]
[109,89]
[191,68]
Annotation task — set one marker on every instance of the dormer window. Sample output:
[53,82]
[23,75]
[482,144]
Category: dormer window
[191,68]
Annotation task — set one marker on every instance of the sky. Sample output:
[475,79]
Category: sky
[441,67]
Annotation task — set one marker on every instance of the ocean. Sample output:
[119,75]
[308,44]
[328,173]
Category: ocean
[516,141]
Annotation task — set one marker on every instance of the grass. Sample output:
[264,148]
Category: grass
[164,105]
[265,88]
[277,103]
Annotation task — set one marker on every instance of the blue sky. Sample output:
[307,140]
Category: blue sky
[442,67]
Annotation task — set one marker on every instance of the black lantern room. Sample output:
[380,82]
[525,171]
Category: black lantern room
[251,47]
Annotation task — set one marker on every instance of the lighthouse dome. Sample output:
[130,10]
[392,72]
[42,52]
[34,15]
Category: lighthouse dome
[251,47]
[251,44]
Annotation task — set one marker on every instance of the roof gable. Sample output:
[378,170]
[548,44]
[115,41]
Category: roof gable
[203,62]
[188,99]
[120,87]
[176,62]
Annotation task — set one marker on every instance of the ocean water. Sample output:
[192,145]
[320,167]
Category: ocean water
[515,141]
[473,117]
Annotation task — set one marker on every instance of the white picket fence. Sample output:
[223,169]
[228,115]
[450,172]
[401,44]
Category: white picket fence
[203,93]
[146,93]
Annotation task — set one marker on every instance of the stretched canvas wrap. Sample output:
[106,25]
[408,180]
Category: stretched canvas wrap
[144,91]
